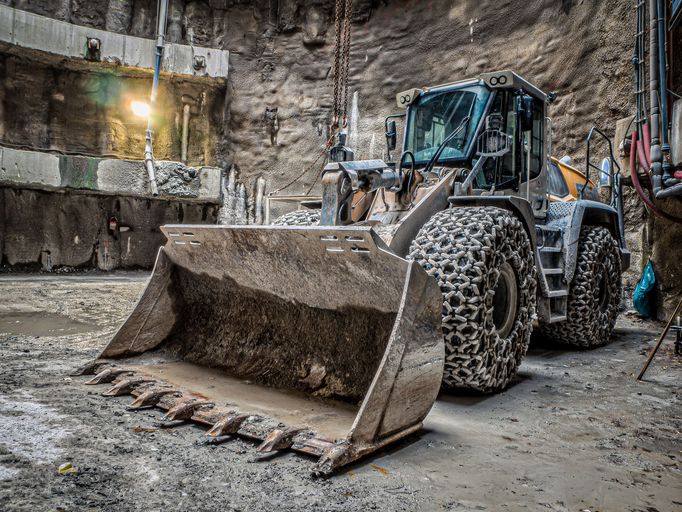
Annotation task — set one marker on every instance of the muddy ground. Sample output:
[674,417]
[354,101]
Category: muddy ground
[575,433]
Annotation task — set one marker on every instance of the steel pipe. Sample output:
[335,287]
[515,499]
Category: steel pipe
[162,16]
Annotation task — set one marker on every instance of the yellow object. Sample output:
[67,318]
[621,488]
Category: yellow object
[66,468]
[573,183]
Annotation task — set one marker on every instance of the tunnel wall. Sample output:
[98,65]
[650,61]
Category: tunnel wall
[272,119]
[40,229]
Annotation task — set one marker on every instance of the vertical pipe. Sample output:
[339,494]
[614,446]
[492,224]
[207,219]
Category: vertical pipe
[663,86]
[185,133]
[637,64]
[148,147]
[654,123]
[260,192]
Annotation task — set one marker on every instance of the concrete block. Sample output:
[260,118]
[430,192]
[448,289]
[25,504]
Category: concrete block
[107,176]
[210,180]
[55,229]
[139,53]
[31,31]
[6,25]
[126,177]
[29,168]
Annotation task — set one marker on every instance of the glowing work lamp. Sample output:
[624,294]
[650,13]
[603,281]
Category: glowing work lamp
[140,108]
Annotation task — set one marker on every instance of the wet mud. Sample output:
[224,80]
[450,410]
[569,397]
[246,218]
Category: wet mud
[575,432]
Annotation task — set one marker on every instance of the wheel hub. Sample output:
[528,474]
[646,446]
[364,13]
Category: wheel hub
[505,301]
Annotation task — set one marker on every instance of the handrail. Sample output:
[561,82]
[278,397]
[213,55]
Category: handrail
[589,164]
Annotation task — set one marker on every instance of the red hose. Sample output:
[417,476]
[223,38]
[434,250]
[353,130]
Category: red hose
[638,186]
[641,156]
[647,144]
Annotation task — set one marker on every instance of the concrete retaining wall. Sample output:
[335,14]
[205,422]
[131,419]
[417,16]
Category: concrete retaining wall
[35,32]
[33,169]
[49,230]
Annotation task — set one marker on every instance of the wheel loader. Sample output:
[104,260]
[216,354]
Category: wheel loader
[332,331]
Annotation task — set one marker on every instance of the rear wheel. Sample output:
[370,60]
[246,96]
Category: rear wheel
[483,261]
[298,218]
[594,295]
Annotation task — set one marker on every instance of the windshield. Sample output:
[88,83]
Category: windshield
[435,116]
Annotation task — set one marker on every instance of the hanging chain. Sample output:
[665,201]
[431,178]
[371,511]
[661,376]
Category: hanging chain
[341,71]
[344,10]
[346,59]
[338,24]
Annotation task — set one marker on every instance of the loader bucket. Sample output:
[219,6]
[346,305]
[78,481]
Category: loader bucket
[318,339]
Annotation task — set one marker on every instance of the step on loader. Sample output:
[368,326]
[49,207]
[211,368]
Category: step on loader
[332,331]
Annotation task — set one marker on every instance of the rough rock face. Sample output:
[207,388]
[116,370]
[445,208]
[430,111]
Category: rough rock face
[49,107]
[280,91]
[574,48]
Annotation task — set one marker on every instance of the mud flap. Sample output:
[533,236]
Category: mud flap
[317,339]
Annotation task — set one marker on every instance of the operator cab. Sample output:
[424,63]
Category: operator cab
[444,126]
[485,136]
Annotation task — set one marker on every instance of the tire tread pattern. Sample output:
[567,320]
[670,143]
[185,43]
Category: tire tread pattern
[463,248]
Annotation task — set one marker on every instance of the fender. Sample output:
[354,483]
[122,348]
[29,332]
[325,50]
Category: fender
[572,216]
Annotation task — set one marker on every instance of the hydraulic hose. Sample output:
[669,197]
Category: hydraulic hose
[642,146]
[638,186]
[647,144]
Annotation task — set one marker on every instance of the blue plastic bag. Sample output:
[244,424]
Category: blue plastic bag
[643,298]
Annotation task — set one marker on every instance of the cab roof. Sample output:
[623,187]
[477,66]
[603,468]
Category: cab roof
[494,80]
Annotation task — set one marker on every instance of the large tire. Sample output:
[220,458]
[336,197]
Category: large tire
[594,295]
[298,218]
[482,258]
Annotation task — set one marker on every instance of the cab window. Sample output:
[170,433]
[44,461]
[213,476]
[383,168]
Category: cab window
[556,184]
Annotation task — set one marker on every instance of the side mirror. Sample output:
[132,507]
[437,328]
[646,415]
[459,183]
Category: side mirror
[391,135]
[525,112]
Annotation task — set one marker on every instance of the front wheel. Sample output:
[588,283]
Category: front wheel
[483,261]
[594,294]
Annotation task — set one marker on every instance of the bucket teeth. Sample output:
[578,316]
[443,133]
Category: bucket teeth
[107,375]
[333,458]
[124,387]
[279,440]
[150,398]
[228,425]
[184,410]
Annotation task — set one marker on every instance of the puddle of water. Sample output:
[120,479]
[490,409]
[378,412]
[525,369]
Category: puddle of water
[329,418]
[40,323]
